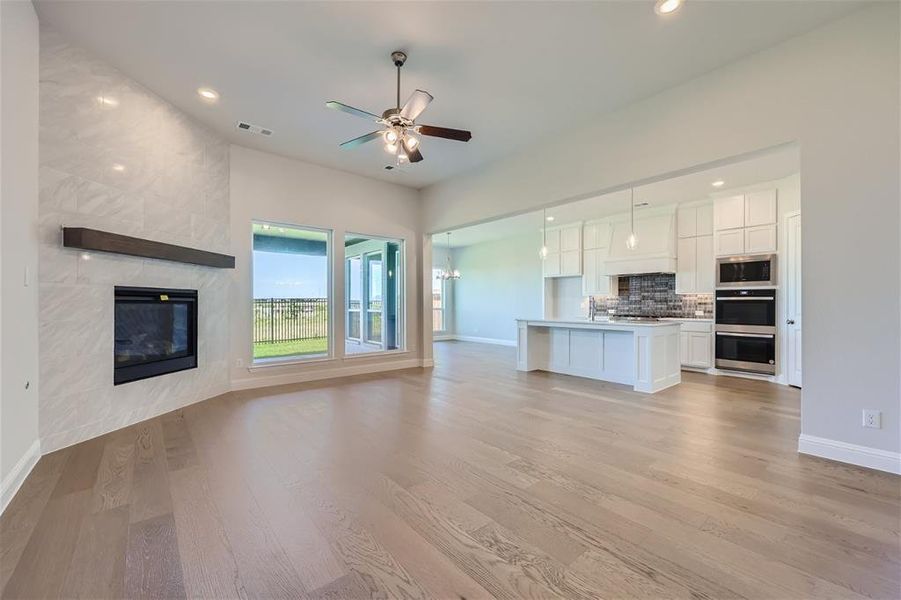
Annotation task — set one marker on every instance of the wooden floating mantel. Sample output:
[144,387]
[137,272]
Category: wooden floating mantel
[104,241]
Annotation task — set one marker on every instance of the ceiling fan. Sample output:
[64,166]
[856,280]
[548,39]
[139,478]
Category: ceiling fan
[400,132]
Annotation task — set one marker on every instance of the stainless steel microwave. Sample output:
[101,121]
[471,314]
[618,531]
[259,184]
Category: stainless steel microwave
[746,271]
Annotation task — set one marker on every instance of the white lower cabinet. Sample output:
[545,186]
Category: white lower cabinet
[696,345]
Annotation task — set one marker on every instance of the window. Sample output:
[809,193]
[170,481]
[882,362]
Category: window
[439,301]
[290,292]
[374,305]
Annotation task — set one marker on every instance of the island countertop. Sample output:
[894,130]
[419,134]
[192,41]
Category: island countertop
[643,354]
[600,324]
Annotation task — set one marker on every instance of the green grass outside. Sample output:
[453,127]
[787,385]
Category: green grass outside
[292,348]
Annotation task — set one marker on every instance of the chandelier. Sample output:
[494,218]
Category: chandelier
[448,272]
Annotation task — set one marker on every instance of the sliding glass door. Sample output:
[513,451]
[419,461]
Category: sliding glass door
[374,285]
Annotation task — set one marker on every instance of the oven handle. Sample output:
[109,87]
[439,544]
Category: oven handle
[745,298]
[752,335]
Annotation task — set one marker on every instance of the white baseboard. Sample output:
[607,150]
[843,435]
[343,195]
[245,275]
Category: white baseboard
[304,376]
[862,456]
[478,340]
[13,480]
[428,362]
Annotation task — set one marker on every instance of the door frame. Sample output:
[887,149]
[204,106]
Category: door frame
[784,286]
[377,244]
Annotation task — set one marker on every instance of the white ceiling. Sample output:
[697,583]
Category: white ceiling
[513,73]
[686,188]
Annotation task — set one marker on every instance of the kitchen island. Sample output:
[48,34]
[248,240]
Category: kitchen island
[644,355]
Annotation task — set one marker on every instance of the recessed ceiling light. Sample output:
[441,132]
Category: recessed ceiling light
[667,7]
[718,183]
[118,168]
[208,94]
[550,218]
[107,102]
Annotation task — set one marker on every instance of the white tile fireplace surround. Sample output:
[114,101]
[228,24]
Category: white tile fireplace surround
[118,158]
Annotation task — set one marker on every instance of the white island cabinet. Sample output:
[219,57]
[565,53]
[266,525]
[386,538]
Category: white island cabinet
[643,355]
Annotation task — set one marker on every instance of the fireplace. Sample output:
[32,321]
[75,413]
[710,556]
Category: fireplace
[155,332]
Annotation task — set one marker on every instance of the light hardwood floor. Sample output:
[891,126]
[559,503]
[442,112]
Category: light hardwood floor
[467,481]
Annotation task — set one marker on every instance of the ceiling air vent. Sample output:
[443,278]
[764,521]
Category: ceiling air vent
[251,128]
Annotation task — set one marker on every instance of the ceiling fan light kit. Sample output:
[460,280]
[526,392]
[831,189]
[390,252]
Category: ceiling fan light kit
[400,129]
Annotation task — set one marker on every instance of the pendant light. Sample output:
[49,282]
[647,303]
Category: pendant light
[542,252]
[631,241]
[448,272]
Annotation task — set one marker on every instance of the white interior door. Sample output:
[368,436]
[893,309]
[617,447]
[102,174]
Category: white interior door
[793,299]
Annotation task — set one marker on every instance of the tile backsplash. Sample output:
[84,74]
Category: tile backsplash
[655,295]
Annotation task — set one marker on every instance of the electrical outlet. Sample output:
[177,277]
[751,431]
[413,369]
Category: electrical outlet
[239,362]
[872,419]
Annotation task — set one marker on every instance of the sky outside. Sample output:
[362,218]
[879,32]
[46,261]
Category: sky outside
[281,275]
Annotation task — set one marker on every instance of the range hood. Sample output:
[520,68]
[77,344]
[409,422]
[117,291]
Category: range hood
[656,249]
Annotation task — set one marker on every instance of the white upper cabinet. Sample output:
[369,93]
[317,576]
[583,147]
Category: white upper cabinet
[687,221]
[693,221]
[564,244]
[695,260]
[705,219]
[729,242]
[746,223]
[695,268]
[596,235]
[552,240]
[729,213]
[706,265]
[759,240]
[552,264]
[760,208]
[595,281]
[571,263]
[571,238]
[687,266]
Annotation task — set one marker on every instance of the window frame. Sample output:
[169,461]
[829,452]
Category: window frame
[330,301]
[443,293]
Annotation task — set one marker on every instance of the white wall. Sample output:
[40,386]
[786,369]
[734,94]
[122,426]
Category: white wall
[501,281]
[174,188]
[18,244]
[272,188]
[835,91]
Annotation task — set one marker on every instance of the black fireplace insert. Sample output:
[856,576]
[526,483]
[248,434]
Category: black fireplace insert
[155,332]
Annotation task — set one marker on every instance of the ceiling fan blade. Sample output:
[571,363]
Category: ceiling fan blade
[361,140]
[353,111]
[415,156]
[416,103]
[443,132]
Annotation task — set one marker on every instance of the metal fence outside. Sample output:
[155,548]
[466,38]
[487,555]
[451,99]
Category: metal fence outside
[289,319]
